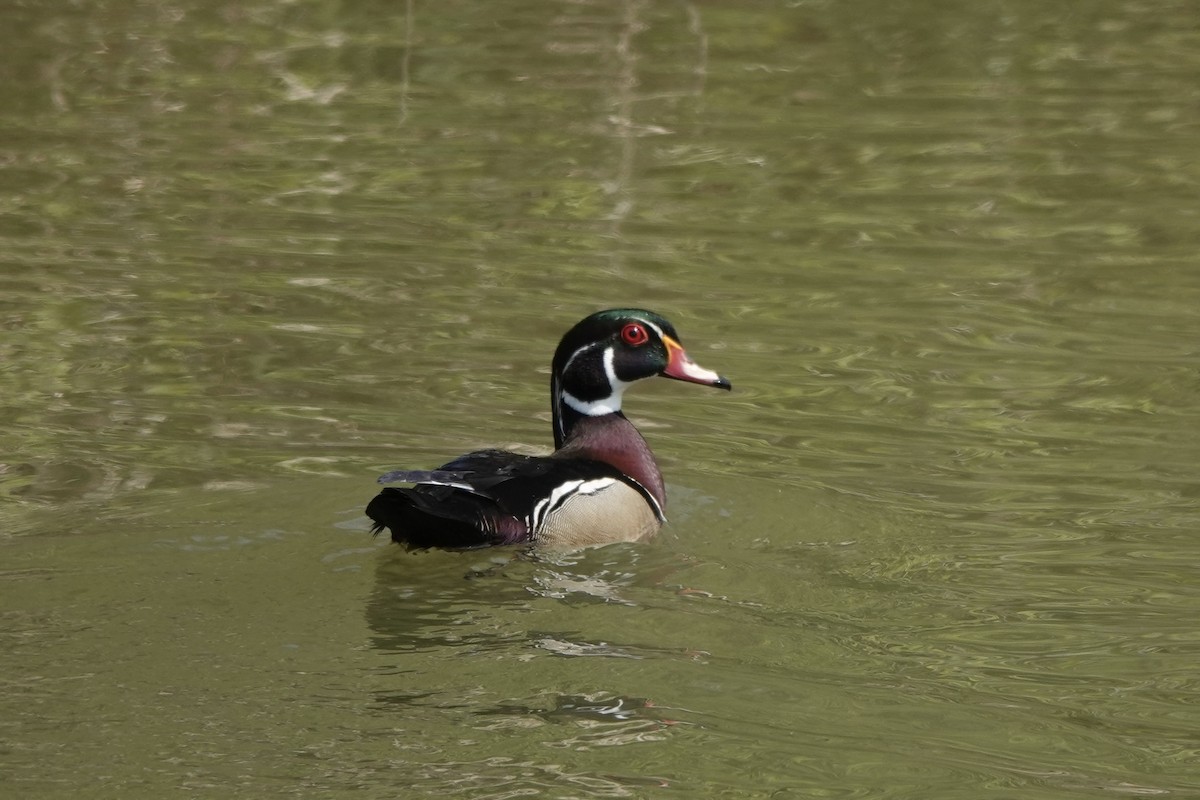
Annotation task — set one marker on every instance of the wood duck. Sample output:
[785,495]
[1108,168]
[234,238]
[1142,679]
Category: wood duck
[600,485]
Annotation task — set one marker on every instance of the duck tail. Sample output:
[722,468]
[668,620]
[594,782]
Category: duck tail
[447,517]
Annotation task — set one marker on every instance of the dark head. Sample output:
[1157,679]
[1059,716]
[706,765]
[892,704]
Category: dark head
[602,355]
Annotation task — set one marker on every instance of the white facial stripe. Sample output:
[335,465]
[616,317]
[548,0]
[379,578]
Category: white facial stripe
[567,367]
[608,367]
[618,386]
[605,405]
[657,329]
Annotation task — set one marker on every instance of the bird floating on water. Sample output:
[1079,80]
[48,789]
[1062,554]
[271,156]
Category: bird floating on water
[600,485]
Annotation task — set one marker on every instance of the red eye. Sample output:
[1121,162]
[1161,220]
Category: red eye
[634,334]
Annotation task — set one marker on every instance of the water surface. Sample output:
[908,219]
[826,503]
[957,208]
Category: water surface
[939,543]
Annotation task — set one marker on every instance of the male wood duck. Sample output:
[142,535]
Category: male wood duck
[601,483]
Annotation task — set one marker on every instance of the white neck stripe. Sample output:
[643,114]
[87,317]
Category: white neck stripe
[593,408]
[605,405]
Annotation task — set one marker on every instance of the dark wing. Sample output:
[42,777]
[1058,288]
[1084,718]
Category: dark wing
[477,466]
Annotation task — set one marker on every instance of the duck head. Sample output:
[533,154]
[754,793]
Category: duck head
[605,353]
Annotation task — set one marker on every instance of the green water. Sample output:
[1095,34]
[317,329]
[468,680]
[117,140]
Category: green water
[940,542]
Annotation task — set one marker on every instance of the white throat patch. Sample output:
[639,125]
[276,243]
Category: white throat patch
[605,405]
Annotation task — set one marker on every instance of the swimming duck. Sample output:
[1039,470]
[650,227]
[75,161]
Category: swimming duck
[600,485]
